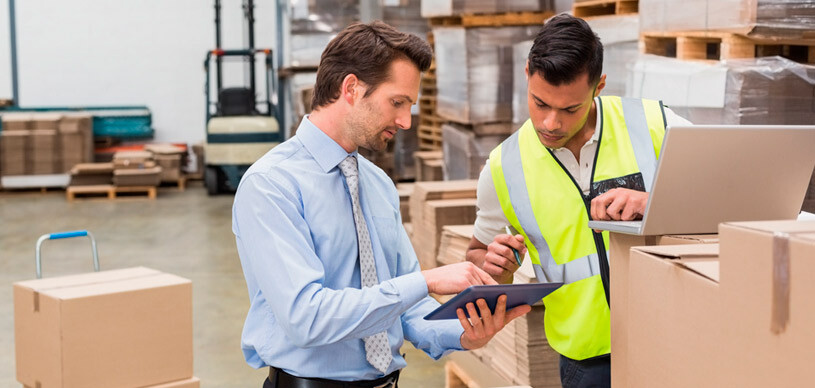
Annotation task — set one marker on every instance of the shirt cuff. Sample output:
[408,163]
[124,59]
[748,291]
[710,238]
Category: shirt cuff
[452,338]
[411,287]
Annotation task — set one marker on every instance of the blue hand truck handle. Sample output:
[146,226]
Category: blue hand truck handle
[63,235]
[76,233]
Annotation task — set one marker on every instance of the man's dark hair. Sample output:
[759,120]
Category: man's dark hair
[365,50]
[565,48]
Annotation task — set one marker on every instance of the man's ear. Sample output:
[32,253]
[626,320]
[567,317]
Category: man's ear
[351,89]
[600,85]
[526,70]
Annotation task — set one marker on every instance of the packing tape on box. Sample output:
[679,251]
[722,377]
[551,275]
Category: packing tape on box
[781,283]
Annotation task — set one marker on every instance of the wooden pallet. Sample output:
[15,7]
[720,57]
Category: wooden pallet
[181,183]
[593,8]
[108,191]
[714,46]
[429,137]
[491,20]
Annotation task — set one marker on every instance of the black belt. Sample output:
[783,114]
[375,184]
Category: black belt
[281,379]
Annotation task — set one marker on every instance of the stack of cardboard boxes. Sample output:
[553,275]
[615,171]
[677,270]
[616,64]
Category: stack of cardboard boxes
[44,143]
[129,328]
[453,244]
[135,168]
[434,205]
[170,158]
[734,314]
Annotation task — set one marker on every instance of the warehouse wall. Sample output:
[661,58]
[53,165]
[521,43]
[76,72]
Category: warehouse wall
[148,52]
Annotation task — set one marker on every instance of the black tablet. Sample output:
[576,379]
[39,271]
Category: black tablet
[517,294]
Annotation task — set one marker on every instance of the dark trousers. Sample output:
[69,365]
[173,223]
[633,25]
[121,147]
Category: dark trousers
[592,373]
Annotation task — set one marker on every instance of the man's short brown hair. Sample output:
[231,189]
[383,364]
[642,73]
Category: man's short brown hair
[365,50]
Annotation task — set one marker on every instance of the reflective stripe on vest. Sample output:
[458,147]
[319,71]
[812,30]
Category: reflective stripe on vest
[542,202]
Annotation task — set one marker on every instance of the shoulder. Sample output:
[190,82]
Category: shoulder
[278,167]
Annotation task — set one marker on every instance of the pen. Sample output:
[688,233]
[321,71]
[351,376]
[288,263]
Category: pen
[515,251]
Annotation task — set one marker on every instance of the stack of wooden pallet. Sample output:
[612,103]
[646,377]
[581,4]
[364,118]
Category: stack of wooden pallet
[429,130]
[728,61]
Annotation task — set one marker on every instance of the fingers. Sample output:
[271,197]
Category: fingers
[487,318]
[475,321]
[615,209]
[500,312]
[485,278]
[517,312]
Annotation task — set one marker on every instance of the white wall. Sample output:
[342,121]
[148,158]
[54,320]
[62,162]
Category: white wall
[146,52]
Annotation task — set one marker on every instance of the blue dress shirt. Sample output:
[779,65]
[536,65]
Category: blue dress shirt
[294,228]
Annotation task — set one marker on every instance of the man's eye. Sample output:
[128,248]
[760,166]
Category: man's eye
[397,103]
[572,111]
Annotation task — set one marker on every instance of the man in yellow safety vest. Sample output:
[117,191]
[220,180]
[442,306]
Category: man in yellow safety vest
[580,156]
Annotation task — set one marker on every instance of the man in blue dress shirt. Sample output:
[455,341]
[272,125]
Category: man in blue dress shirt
[334,284]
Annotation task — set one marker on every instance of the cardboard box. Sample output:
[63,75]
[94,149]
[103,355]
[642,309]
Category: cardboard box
[743,318]
[405,190]
[16,121]
[193,382]
[619,254]
[436,214]
[45,121]
[82,125]
[121,328]
[429,165]
[137,176]
[675,317]
[132,159]
[767,284]
[13,148]
[42,154]
[170,166]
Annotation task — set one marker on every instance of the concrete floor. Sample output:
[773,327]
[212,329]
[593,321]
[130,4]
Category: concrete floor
[184,233]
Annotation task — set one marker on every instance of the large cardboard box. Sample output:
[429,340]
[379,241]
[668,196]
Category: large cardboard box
[742,318]
[121,328]
[620,245]
[675,317]
[767,285]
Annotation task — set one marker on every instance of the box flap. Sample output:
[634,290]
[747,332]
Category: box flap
[787,226]
[686,251]
[700,238]
[706,268]
[156,280]
[86,278]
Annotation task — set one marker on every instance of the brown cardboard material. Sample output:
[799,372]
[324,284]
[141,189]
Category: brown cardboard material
[42,154]
[437,214]
[405,190]
[45,121]
[16,121]
[620,245]
[193,382]
[784,355]
[13,149]
[137,176]
[693,325]
[428,165]
[674,317]
[170,166]
[121,328]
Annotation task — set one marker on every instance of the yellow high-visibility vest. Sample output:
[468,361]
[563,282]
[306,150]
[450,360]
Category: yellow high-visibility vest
[544,203]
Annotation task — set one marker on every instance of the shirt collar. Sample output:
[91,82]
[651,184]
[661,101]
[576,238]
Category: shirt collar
[322,148]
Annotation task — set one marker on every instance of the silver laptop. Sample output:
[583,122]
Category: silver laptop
[708,174]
